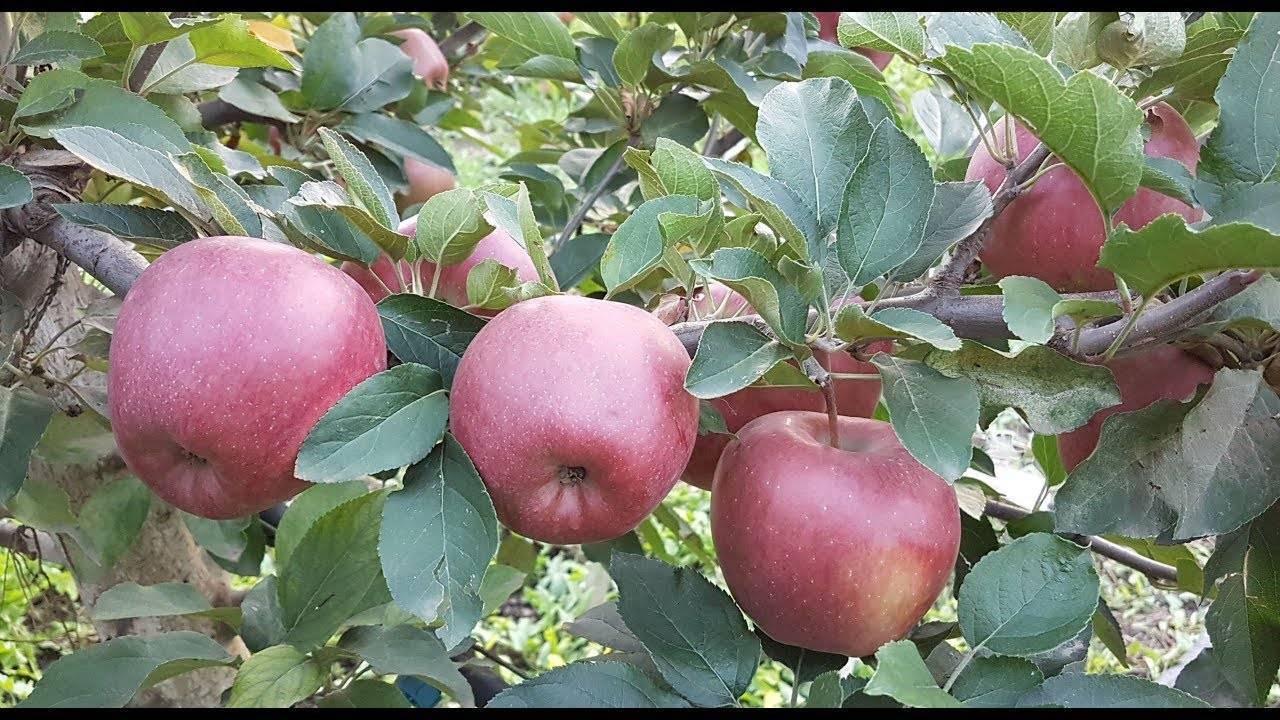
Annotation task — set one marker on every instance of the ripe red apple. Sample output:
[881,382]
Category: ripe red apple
[835,550]
[853,397]
[1055,230]
[425,181]
[565,17]
[226,352]
[827,24]
[428,62]
[1143,378]
[575,414]
[452,288]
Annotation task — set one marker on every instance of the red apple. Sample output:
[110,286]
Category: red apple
[853,397]
[428,62]
[425,181]
[827,24]
[1143,378]
[1055,231]
[575,414]
[452,288]
[565,17]
[227,351]
[838,550]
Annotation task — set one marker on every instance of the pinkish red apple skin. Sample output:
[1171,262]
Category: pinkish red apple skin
[1164,372]
[428,62]
[425,181]
[572,382]
[827,24]
[497,245]
[230,349]
[838,551]
[1055,231]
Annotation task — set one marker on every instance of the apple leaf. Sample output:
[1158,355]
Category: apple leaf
[957,210]
[427,331]
[69,99]
[276,677]
[887,31]
[996,682]
[636,247]
[885,207]
[1244,634]
[306,508]
[163,228]
[515,216]
[363,182]
[1169,177]
[114,154]
[805,664]
[438,535]
[965,29]
[1078,690]
[1179,471]
[1028,307]
[331,572]
[815,135]
[781,306]
[604,626]
[258,99]
[731,355]
[230,205]
[24,415]
[1205,678]
[399,136]
[785,211]
[263,621]
[1029,596]
[933,415]
[1195,74]
[588,685]
[369,694]
[112,518]
[827,691]
[902,675]
[1244,147]
[681,171]
[540,33]
[1045,450]
[408,650]
[853,324]
[15,188]
[1085,120]
[1166,250]
[131,600]
[354,233]
[389,420]
[147,28]
[854,68]
[110,673]
[633,57]
[695,633]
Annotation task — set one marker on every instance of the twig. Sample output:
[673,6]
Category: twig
[460,38]
[590,200]
[819,375]
[1121,554]
[148,60]
[32,543]
[216,113]
[501,661]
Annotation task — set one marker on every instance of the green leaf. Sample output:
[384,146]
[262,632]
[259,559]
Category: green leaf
[1077,690]
[678,117]
[1107,629]
[438,535]
[325,217]
[826,691]
[331,570]
[308,507]
[407,650]
[636,247]
[398,136]
[69,99]
[889,31]
[24,415]
[541,33]
[933,415]
[1166,250]
[965,29]
[901,674]
[489,285]
[131,600]
[575,260]
[784,210]
[588,685]
[816,136]
[1204,677]
[113,517]
[516,217]
[426,331]
[1028,307]
[806,665]
[696,635]
[277,677]
[163,228]
[1045,450]
[230,205]
[996,682]
[886,206]
[1168,177]
[363,182]
[1196,73]
[781,306]
[1054,392]
[1244,147]
[731,355]
[366,693]
[229,43]
[1085,120]
[263,620]
[681,171]
[255,98]
[223,538]
[450,225]
[1246,639]
[633,57]
[854,68]
[389,420]
[110,673]
[958,208]
[147,28]
[852,323]
[56,46]
[338,71]
[1180,471]
[15,188]
[1029,596]
[117,155]
[1036,27]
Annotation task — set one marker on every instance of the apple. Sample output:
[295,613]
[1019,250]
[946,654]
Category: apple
[226,352]
[1143,378]
[428,62]
[425,181]
[853,397]
[838,550]
[1055,230]
[452,288]
[575,414]
[827,24]
[565,17]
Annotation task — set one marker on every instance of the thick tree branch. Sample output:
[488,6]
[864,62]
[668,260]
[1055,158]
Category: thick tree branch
[106,257]
[216,113]
[31,542]
[1121,554]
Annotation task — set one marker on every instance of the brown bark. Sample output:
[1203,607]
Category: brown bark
[164,551]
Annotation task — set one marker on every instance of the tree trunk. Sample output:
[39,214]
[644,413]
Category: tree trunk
[164,550]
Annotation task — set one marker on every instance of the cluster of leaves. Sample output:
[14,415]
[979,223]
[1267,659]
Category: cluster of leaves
[397,578]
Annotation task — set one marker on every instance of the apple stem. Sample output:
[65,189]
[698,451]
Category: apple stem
[833,415]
